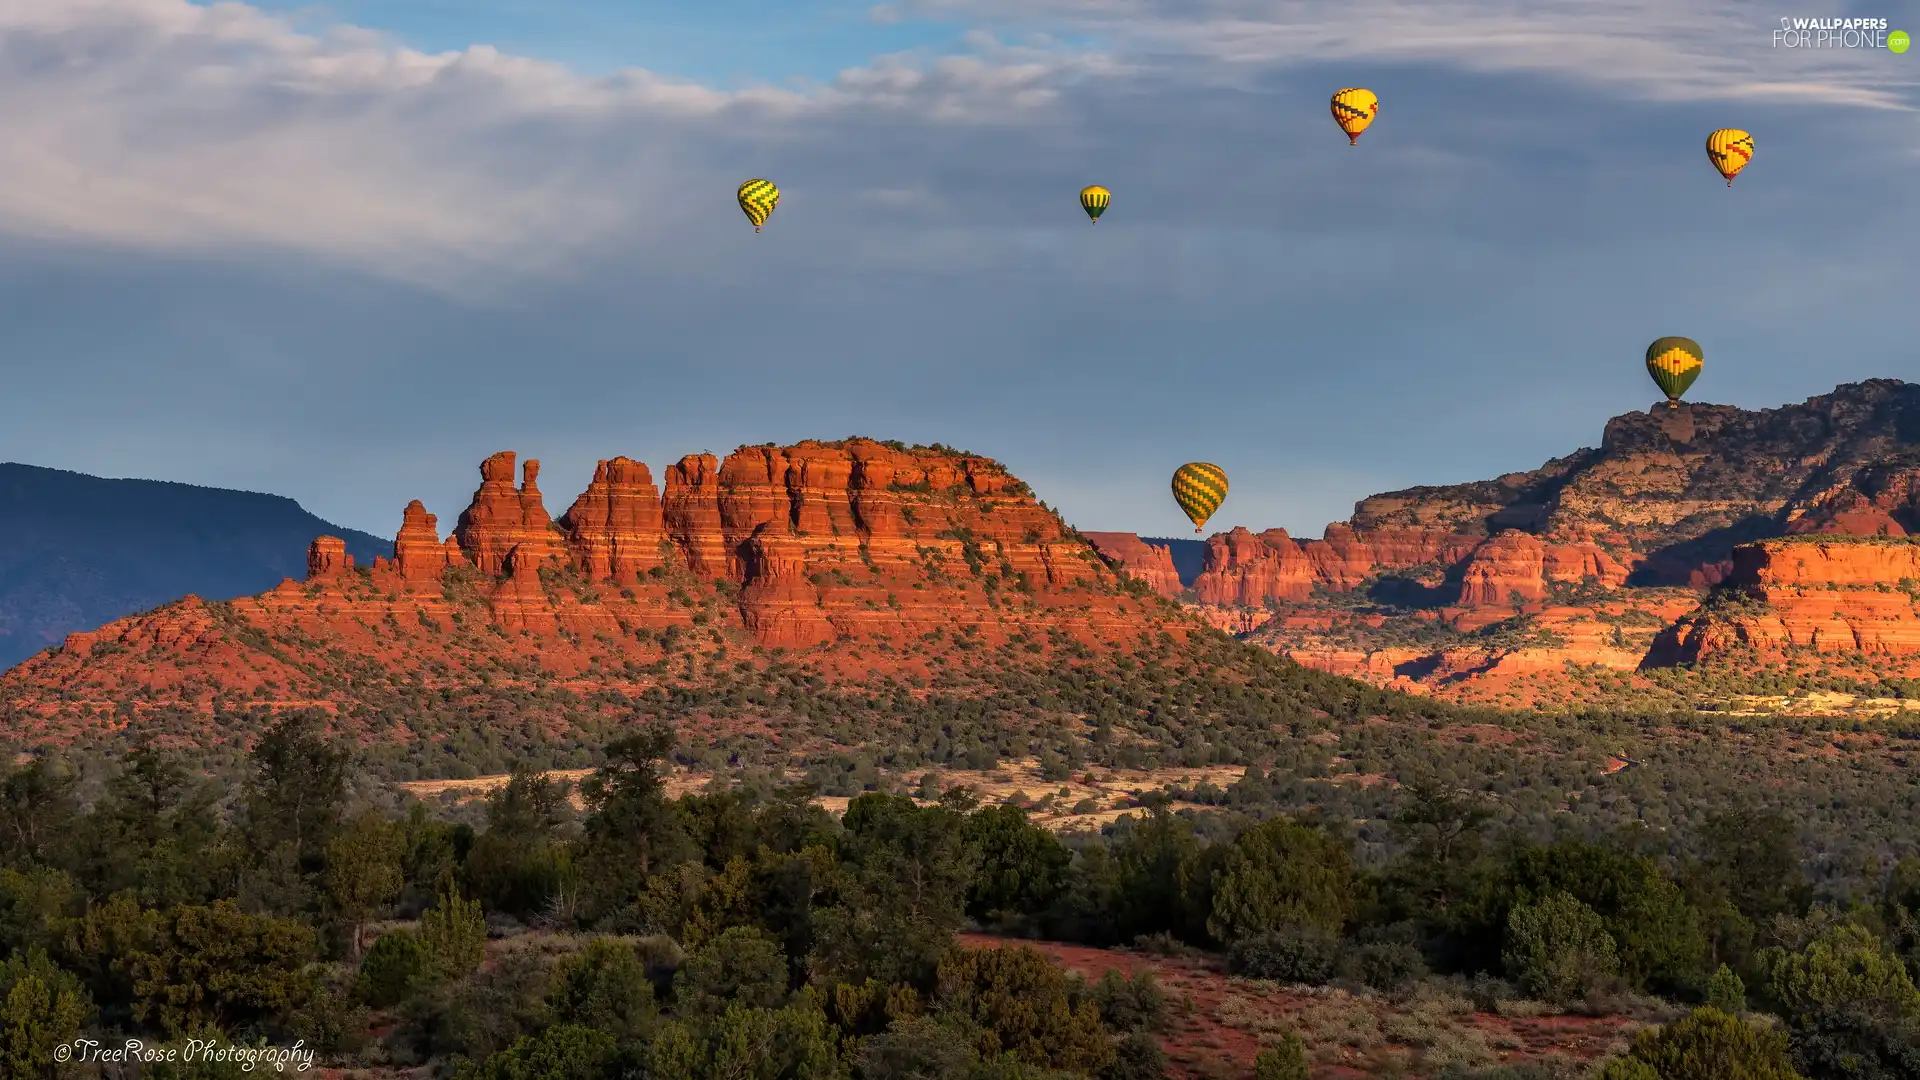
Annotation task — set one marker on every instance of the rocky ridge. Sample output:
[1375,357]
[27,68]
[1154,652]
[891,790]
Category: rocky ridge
[1591,560]
[872,557]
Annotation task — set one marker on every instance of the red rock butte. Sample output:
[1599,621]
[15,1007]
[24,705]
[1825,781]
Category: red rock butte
[898,553]
[822,541]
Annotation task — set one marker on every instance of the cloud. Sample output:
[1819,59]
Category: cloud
[170,126]
[164,125]
[1702,50]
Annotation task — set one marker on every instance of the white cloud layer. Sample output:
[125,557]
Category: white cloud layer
[169,126]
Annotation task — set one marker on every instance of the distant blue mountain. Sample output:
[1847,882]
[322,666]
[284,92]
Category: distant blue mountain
[1188,556]
[77,551]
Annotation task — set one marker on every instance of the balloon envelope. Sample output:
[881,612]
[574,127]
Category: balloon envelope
[1199,488]
[1094,200]
[1674,362]
[757,200]
[1353,109]
[1730,149]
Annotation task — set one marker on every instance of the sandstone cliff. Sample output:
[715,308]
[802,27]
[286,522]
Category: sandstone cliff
[878,557]
[1602,535]
[1840,597]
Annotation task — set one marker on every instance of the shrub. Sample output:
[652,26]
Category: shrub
[1301,955]
[1135,1004]
[604,987]
[392,968]
[1726,992]
[1707,1044]
[1558,948]
[1286,1060]
[1138,1057]
[742,966]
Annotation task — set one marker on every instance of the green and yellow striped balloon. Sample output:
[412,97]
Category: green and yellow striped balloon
[1094,201]
[758,198]
[1199,488]
[1674,362]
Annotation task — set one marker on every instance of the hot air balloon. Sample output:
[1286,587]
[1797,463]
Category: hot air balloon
[1674,362]
[1199,488]
[757,199]
[1353,110]
[1094,201]
[1730,149]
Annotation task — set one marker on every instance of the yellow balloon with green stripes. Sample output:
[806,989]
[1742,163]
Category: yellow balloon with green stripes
[1199,488]
[758,198]
[1729,149]
[1094,201]
[1674,362]
[1353,109]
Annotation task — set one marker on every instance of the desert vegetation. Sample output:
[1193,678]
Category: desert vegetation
[743,931]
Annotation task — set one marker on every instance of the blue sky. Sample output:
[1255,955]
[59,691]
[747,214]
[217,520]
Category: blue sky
[343,252]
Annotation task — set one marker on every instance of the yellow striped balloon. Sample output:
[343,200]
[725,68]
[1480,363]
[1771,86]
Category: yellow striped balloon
[1674,362]
[758,198]
[1199,488]
[1094,201]
[1353,110]
[1730,149]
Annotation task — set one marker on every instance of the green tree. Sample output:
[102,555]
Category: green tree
[1280,874]
[34,903]
[1158,878]
[1851,1006]
[605,987]
[41,1007]
[454,935]
[1022,867]
[218,968]
[741,966]
[565,1052]
[154,832]
[916,1048]
[631,830]
[396,964]
[297,788]
[1285,1060]
[1017,1002]
[792,1043]
[1707,1044]
[294,797]
[39,815]
[899,893]
[519,863]
[364,873]
[1658,935]
[1558,948]
[1726,991]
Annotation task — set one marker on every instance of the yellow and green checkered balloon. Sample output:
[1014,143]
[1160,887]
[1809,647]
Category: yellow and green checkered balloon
[758,198]
[1199,488]
[1674,362]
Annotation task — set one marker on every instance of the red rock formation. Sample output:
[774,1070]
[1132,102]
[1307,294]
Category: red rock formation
[1139,560]
[327,558]
[1828,596]
[1244,570]
[691,514]
[1506,570]
[500,518]
[615,527]
[417,549]
[780,606]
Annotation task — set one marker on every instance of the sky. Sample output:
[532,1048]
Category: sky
[341,252]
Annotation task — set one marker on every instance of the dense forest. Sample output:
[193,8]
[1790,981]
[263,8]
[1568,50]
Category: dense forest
[744,932]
